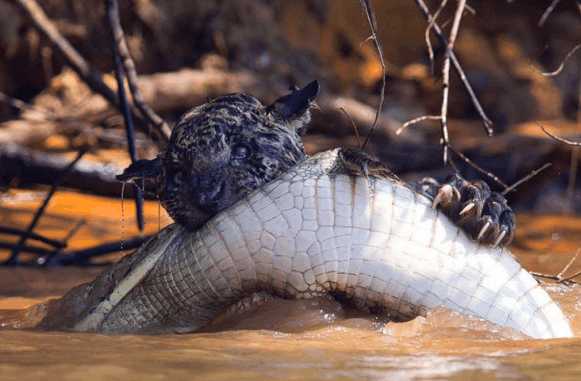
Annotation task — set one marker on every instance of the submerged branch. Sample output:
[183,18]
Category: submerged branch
[13,259]
[83,257]
[560,276]
[33,236]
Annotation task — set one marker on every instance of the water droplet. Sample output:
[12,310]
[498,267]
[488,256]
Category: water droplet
[122,216]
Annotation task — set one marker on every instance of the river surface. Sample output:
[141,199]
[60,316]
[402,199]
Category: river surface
[286,340]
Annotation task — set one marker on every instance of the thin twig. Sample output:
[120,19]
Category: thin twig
[530,175]
[353,125]
[88,74]
[486,122]
[366,4]
[560,139]
[29,249]
[113,14]
[429,29]
[477,167]
[415,121]
[566,281]
[571,277]
[76,227]
[548,12]
[560,276]
[46,260]
[568,265]
[13,259]
[558,70]
[76,257]
[470,10]
[129,67]
[31,235]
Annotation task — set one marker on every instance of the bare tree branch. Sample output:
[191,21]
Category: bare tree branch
[548,12]
[558,70]
[415,121]
[429,30]
[477,167]
[560,139]
[120,45]
[530,175]
[487,123]
[113,14]
[31,235]
[46,260]
[72,57]
[13,259]
[560,276]
[366,4]
[83,257]
[355,128]
[446,78]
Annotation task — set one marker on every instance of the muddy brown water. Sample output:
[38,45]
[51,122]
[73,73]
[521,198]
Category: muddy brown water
[286,340]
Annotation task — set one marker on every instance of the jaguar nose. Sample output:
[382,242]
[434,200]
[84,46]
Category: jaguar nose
[208,190]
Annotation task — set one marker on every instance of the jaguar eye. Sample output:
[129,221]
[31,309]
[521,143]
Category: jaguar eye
[240,152]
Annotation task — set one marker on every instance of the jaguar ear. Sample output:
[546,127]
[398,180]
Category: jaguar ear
[295,106]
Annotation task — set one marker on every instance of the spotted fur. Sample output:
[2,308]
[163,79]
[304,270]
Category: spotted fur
[221,151]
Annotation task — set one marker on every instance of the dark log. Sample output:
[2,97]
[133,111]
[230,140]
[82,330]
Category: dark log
[35,167]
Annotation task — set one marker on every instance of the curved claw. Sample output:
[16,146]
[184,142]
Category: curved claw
[472,206]
[365,170]
[445,195]
[500,237]
[483,230]
[467,208]
[439,197]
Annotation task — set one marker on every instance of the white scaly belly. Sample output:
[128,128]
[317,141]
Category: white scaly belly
[308,233]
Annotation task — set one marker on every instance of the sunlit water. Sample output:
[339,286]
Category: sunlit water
[287,340]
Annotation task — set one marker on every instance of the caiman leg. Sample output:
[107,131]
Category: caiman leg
[484,215]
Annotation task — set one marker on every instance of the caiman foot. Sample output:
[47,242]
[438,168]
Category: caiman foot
[483,214]
[356,162]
